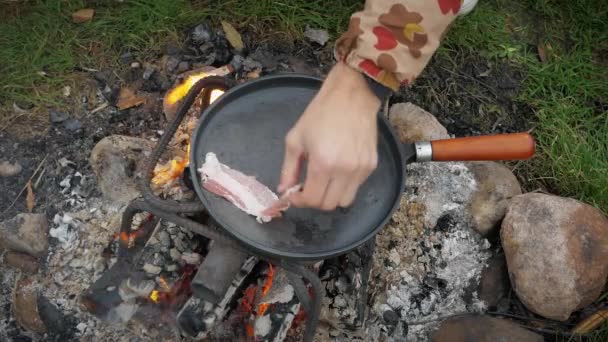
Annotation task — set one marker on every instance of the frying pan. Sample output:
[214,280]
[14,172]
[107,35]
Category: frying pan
[246,127]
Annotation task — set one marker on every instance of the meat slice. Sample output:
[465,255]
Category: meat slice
[245,192]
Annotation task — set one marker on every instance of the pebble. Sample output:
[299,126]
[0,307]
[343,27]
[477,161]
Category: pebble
[175,254]
[148,71]
[191,258]
[180,244]
[7,169]
[201,33]
[72,124]
[171,268]
[58,117]
[27,233]
[164,238]
[183,66]
[152,269]
[135,65]
[82,327]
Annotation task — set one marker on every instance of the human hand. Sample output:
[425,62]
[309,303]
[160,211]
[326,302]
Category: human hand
[337,136]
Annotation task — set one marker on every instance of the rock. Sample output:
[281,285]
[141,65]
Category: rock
[183,66]
[83,15]
[237,62]
[7,169]
[72,124]
[164,238]
[318,36]
[482,329]
[390,317]
[201,34]
[494,282]
[556,250]
[117,161]
[250,64]
[171,63]
[58,117]
[22,261]
[413,123]
[148,71]
[152,269]
[27,233]
[191,258]
[175,254]
[496,185]
[25,306]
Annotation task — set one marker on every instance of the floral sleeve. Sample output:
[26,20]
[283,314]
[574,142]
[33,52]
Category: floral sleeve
[392,41]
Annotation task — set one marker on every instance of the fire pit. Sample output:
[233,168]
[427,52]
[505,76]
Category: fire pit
[251,295]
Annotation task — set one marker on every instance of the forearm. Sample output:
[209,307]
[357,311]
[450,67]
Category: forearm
[392,41]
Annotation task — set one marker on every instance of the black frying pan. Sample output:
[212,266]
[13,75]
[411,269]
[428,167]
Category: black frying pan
[246,128]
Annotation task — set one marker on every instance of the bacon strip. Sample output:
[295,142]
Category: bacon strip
[245,192]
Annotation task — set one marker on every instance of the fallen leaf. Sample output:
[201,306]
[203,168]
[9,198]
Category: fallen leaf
[127,99]
[591,322]
[233,36]
[29,198]
[542,52]
[83,15]
[321,36]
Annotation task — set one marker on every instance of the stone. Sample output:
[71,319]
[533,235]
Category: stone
[316,35]
[183,66]
[148,71]
[25,306]
[72,124]
[22,261]
[117,161]
[27,233]
[494,282]
[556,250]
[152,269]
[164,238]
[8,169]
[191,258]
[496,185]
[483,329]
[175,254]
[58,117]
[201,34]
[413,123]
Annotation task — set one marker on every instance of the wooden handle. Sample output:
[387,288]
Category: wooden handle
[516,146]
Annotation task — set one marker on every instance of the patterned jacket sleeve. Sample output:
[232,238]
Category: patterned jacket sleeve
[392,41]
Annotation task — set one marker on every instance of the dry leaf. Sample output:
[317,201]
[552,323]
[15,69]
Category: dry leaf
[543,52]
[127,99]
[233,36]
[29,198]
[591,322]
[83,15]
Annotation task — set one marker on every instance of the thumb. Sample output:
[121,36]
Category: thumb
[292,161]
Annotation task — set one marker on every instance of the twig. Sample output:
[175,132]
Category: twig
[101,107]
[39,178]
[25,186]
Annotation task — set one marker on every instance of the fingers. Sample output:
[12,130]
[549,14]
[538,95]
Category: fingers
[292,161]
[315,187]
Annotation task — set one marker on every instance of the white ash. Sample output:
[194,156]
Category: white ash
[262,325]
[65,230]
[428,258]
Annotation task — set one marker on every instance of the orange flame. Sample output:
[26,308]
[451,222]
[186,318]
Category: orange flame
[164,284]
[154,296]
[268,282]
[173,169]
[262,308]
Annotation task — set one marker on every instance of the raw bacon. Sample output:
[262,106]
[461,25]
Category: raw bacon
[245,192]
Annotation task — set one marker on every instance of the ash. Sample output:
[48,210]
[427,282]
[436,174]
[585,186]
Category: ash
[428,259]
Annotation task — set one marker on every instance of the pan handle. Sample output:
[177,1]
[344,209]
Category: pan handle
[514,146]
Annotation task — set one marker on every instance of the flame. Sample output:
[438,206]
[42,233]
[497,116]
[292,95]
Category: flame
[164,284]
[154,296]
[173,169]
[269,278]
[262,308]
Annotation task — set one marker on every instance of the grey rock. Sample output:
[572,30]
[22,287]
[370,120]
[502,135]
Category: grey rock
[175,254]
[237,62]
[316,35]
[413,123]
[8,169]
[496,185]
[27,233]
[72,124]
[390,317]
[556,250]
[201,33]
[183,66]
[152,269]
[148,71]
[117,162]
[191,258]
[483,329]
[251,64]
[58,117]
[171,63]
[164,238]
